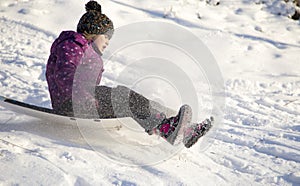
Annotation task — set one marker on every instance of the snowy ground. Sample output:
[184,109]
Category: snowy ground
[257,51]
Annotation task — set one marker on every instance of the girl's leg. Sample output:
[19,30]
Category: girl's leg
[65,109]
[68,108]
[103,95]
[121,101]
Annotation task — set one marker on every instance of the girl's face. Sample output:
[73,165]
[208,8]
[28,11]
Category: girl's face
[101,42]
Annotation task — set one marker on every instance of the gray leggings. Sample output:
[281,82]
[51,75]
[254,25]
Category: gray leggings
[120,101]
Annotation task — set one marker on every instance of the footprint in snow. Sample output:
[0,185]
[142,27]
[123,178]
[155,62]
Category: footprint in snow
[67,156]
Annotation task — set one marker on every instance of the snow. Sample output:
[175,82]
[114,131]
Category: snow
[256,47]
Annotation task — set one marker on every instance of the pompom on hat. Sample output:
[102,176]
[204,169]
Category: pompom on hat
[94,22]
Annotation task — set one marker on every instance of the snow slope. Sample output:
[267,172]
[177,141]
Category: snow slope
[257,52]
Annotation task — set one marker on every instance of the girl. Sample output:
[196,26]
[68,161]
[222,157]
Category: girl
[74,71]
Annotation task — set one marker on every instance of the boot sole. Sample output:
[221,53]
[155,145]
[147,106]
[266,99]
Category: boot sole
[193,140]
[185,117]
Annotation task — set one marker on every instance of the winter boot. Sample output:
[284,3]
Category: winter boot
[196,131]
[171,128]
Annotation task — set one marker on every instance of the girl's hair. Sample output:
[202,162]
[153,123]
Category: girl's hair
[89,37]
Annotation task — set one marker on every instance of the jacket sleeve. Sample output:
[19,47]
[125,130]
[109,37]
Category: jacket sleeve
[73,77]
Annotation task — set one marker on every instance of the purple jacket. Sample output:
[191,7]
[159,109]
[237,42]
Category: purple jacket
[73,70]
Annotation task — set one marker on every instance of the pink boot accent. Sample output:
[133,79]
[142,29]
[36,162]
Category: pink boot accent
[165,128]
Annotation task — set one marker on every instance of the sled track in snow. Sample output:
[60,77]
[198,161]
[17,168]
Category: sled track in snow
[262,123]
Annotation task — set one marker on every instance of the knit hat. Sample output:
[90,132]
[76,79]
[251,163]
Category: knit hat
[94,22]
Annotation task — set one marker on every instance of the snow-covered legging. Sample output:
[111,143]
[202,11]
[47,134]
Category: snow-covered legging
[120,101]
[117,102]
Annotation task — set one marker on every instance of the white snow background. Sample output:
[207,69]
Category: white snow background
[257,51]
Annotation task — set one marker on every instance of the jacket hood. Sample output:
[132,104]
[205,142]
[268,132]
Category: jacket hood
[70,36]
